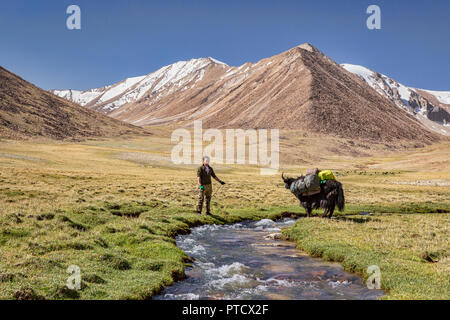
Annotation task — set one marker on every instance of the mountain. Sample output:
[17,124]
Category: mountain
[432,108]
[28,111]
[152,87]
[301,88]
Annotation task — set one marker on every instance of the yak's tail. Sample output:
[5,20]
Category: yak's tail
[340,198]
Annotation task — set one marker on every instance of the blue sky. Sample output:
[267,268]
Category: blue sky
[120,39]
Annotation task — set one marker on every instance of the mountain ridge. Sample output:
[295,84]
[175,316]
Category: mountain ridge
[299,88]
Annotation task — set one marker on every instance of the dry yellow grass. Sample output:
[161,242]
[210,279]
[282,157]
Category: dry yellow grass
[81,184]
[411,250]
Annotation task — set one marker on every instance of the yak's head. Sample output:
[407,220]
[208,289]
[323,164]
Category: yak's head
[288,181]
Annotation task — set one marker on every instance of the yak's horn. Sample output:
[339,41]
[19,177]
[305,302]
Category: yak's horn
[282,176]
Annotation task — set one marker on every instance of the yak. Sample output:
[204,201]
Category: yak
[330,195]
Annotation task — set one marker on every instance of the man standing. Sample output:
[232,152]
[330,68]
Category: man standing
[204,174]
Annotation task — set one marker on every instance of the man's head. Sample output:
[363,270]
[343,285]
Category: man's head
[206,160]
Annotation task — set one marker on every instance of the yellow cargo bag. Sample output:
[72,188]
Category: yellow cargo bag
[326,175]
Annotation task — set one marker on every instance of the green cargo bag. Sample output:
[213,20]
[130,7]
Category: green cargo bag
[326,175]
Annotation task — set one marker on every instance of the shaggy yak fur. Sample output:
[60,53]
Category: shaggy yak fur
[331,194]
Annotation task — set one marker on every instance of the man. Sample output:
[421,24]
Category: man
[204,174]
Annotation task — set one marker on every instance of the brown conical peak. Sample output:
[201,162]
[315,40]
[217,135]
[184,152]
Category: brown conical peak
[308,49]
[308,46]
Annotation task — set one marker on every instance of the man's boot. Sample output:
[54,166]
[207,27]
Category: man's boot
[199,209]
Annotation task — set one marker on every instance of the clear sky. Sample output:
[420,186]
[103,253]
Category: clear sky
[121,39]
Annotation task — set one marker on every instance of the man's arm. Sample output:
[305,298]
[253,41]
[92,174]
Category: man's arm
[213,174]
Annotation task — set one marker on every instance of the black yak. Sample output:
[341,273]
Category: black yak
[330,195]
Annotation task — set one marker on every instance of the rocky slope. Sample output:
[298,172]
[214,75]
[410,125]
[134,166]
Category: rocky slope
[28,111]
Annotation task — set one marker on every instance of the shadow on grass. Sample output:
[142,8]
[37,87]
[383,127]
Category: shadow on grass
[355,219]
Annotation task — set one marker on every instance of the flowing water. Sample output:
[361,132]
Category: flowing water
[237,262]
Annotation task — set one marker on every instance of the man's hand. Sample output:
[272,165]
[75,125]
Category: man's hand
[221,182]
[202,187]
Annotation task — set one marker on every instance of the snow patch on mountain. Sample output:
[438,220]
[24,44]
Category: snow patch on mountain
[364,73]
[218,62]
[382,84]
[82,98]
[119,88]
[442,96]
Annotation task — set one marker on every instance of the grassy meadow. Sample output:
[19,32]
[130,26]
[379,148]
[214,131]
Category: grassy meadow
[411,250]
[114,207]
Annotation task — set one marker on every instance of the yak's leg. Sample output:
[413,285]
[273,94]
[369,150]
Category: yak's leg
[325,212]
[331,212]
[308,211]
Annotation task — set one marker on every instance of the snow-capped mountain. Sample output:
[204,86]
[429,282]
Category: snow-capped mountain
[177,76]
[301,88]
[430,107]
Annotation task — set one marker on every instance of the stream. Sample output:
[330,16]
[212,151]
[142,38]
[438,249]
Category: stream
[237,262]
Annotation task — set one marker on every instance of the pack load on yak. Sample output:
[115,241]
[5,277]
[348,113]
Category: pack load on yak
[310,183]
[307,185]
